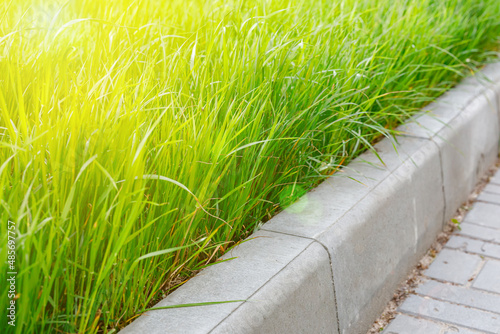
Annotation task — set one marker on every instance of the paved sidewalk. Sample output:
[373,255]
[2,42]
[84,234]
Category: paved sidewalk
[461,293]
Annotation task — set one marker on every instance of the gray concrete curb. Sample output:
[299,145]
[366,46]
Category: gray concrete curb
[331,262]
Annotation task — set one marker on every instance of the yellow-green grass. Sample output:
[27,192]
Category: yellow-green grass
[141,139]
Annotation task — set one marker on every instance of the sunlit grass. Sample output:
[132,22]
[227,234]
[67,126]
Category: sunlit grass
[140,139]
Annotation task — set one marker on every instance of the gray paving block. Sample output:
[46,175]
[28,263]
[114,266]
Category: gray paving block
[492,188]
[484,214]
[460,295]
[374,231]
[467,150]
[451,313]
[479,247]
[480,232]
[489,198]
[404,324]
[299,299]
[496,178]
[489,277]
[453,266]
[258,261]
[436,116]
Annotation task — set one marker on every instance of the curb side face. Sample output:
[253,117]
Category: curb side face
[377,242]
[258,260]
[299,299]
[467,148]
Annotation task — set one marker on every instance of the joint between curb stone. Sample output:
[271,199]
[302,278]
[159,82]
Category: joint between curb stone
[333,284]
[331,269]
[273,276]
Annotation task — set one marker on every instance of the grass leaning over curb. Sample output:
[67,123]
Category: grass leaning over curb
[141,139]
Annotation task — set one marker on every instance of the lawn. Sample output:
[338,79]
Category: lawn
[141,139]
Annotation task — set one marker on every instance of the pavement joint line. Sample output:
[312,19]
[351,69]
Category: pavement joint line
[474,223]
[488,202]
[441,281]
[491,241]
[261,287]
[491,192]
[475,273]
[437,322]
[468,286]
[482,290]
[482,256]
[313,240]
[329,259]
[491,293]
[450,322]
[455,303]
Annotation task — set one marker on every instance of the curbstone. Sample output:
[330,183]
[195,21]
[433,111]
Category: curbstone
[474,246]
[484,214]
[463,123]
[489,198]
[453,266]
[480,232]
[330,262]
[299,299]
[467,149]
[488,278]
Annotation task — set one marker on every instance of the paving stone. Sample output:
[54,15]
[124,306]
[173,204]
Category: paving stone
[451,313]
[404,324]
[461,295]
[480,247]
[489,277]
[484,214]
[492,188]
[495,178]
[467,149]
[489,197]
[480,232]
[452,329]
[453,266]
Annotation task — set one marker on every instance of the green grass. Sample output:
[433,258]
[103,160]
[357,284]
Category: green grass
[141,139]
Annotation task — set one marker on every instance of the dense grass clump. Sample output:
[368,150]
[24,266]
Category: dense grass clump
[140,139]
